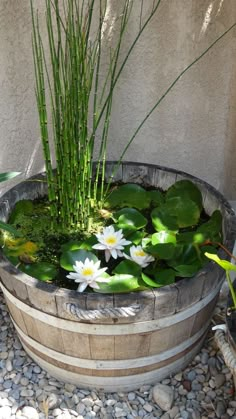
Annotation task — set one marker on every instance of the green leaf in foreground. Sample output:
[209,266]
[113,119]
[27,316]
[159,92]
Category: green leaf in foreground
[8,175]
[9,229]
[43,271]
[227,266]
[69,258]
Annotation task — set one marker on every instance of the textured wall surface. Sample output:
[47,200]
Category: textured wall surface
[193,129]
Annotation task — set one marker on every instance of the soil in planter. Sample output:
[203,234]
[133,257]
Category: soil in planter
[41,247]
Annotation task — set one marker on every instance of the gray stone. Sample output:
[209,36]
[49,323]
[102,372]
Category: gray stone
[220,408]
[5,412]
[219,380]
[26,393]
[164,396]
[53,401]
[30,413]
[191,375]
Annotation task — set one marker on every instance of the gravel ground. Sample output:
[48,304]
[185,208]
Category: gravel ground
[203,390]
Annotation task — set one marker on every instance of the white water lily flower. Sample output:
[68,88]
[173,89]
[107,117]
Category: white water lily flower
[87,273]
[140,257]
[111,241]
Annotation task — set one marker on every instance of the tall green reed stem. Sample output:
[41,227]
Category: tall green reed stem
[68,85]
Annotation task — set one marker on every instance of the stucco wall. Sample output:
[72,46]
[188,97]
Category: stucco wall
[193,129]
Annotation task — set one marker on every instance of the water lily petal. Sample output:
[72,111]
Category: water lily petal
[82,287]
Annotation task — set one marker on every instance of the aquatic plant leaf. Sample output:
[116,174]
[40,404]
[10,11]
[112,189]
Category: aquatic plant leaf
[69,258]
[164,237]
[8,175]
[161,250]
[187,270]
[127,267]
[42,270]
[163,221]
[184,209]
[156,197]
[225,264]
[212,229]
[130,218]
[10,229]
[185,189]
[120,284]
[128,195]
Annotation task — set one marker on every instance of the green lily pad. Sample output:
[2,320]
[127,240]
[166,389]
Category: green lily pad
[135,237]
[185,210]
[185,189]
[164,237]
[161,250]
[75,245]
[225,264]
[120,284]
[127,267]
[156,197]
[69,258]
[163,221]
[42,270]
[128,195]
[212,229]
[165,277]
[130,218]
[187,270]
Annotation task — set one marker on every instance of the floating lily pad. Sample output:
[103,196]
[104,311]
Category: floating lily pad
[120,284]
[162,221]
[212,229]
[185,210]
[69,258]
[130,218]
[161,250]
[128,195]
[164,237]
[43,271]
[127,267]
[156,197]
[185,189]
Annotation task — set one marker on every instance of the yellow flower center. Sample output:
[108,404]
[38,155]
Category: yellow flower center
[111,240]
[88,271]
[140,253]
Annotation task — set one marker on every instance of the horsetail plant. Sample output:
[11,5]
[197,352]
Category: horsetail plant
[80,101]
[72,75]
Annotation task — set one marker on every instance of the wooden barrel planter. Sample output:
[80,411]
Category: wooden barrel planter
[121,341]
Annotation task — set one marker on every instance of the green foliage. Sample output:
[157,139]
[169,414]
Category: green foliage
[69,257]
[43,271]
[128,195]
[227,266]
[185,189]
[129,218]
[121,284]
[8,175]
